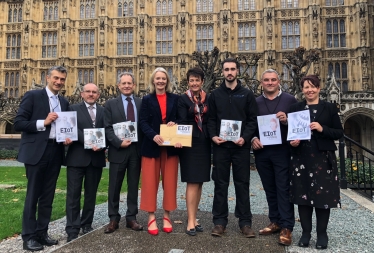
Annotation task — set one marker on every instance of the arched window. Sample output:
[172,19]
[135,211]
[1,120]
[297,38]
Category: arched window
[6,79]
[10,13]
[20,15]
[15,12]
[158,7]
[335,33]
[170,9]
[56,13]
[164,7]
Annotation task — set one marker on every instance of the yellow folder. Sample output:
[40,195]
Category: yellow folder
[175,134]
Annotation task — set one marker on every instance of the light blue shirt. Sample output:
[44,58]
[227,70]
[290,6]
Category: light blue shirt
[125,103]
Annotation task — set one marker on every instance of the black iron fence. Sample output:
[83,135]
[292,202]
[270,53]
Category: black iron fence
[356,167]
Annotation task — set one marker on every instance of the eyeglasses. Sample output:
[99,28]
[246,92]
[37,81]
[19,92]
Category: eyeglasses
[228,69]
[267,80]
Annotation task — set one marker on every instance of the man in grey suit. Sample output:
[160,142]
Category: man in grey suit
[42,156]
[84,163]
[123,154]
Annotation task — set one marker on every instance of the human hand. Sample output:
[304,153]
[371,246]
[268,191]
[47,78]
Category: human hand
[282,117]
[218,140]
[51,117]
[316,126]
[295,143]
[158,139]
[125,143]
[256,144]
[240,142]
[67,142]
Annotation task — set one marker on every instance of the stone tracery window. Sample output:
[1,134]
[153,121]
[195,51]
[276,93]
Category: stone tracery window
[86,76]
[204,6]
[125,8]
[86,43]
[12,81]
[49,45]
[13,46]
[334,2]
[246,36]
[244,5]
[289,3]
[335,33]
[164,7]
[204,37]
[50,11]
[14,13]
[340,71]
[125,41]
[290,34]
[164,40]
[87,9]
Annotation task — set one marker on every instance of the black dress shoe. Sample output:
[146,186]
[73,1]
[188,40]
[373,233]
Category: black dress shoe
[86,230]
[322,241]
[199,228]
[32,245]
[191,232]
[304,240]
[72,236]
[44,239]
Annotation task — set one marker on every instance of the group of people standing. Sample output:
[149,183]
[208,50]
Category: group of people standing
[286,172]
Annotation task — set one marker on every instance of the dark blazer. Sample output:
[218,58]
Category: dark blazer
[77,156]
[327,116]
[34,106]
[151,119]
[186,115]
[114,112]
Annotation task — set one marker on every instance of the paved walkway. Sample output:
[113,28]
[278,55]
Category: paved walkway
[350,229]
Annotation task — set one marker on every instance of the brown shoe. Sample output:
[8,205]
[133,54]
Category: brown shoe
[270,229]
[248,232]
[218,230]
[285,237]
[134,225]
[113,225]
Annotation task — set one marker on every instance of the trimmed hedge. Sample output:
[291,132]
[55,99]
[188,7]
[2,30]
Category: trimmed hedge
[8,154]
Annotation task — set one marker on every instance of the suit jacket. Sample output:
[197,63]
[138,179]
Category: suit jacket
[327,116]
[114,112]
[34,106]
[77,156]
[151,119]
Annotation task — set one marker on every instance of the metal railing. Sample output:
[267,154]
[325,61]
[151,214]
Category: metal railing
[356,167]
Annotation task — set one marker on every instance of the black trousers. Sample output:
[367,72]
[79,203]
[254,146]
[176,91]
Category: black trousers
[41,185]
[239,158]
[273,167]
[116,175]
[75,176]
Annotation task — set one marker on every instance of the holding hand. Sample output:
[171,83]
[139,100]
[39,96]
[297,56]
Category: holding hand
[316,126]
[295,143]
[158,139]
[282,117]
[218,140]
[256,144]
[125,143]
[240,142]
[52,116]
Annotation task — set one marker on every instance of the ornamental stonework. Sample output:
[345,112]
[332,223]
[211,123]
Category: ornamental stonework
[123,61]
[11,65]
[86,62]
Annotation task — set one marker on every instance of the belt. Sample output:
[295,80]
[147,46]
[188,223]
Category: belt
[53,141]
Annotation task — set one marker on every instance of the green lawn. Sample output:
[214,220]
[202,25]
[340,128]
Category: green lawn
[12,200]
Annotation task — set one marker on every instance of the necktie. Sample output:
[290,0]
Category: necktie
[130,110]
[56,103]
[92,114]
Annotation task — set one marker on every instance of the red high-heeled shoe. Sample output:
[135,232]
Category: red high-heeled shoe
[167,230]
[153,231]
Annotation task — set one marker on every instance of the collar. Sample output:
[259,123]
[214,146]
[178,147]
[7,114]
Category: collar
[279,93]
[88,105]
[124,97]
[50,93]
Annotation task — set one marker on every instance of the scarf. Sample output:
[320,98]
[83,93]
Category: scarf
[198,107]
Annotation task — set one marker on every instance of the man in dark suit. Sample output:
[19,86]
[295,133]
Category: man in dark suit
[42,156]
[123,154]
[84,163]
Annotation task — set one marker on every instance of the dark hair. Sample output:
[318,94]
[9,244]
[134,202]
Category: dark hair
[231,60]
[313,79]
[197,72]
[131,128]
[60,69]
[125,74]
[235,127]
[99,134]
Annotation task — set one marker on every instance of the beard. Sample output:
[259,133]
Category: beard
[230,79]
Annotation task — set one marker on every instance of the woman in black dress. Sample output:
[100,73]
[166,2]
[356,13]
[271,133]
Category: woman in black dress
[194,161]
[313,168]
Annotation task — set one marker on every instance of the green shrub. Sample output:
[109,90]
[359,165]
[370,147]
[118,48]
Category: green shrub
[8,154]
[357,172]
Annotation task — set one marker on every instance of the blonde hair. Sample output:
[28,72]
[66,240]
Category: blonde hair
[168,87]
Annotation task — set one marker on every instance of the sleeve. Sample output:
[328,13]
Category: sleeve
[212,119]
[251,122]
[145,118]
[108,124]
[335,131]
[22,121]
[40,125]
[183,110]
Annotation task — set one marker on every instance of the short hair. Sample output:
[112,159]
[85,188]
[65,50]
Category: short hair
[313,79]
[269,71]
[197,72]
[60,69]
[168,87]
[131,128]
[84,87]
[99,134]
[235,127]
[231,60]
[125,74]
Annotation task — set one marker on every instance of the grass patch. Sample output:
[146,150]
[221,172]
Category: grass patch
[12,200]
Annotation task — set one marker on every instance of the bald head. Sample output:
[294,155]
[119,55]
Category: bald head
[90,93]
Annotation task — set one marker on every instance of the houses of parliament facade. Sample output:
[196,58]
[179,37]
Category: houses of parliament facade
[97,39]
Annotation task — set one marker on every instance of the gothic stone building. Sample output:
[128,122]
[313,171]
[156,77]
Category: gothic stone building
[97,39]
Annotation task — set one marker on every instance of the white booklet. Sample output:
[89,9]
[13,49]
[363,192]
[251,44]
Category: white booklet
[66,126]
[230,130]
[126,131]
[299,125]
[94,137]
[269,129]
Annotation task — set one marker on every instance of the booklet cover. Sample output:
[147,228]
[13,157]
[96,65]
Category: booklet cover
[230,130]
[176,134]
[269,129]
[94,137]
[126,131]
[299,126]
[66,126]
